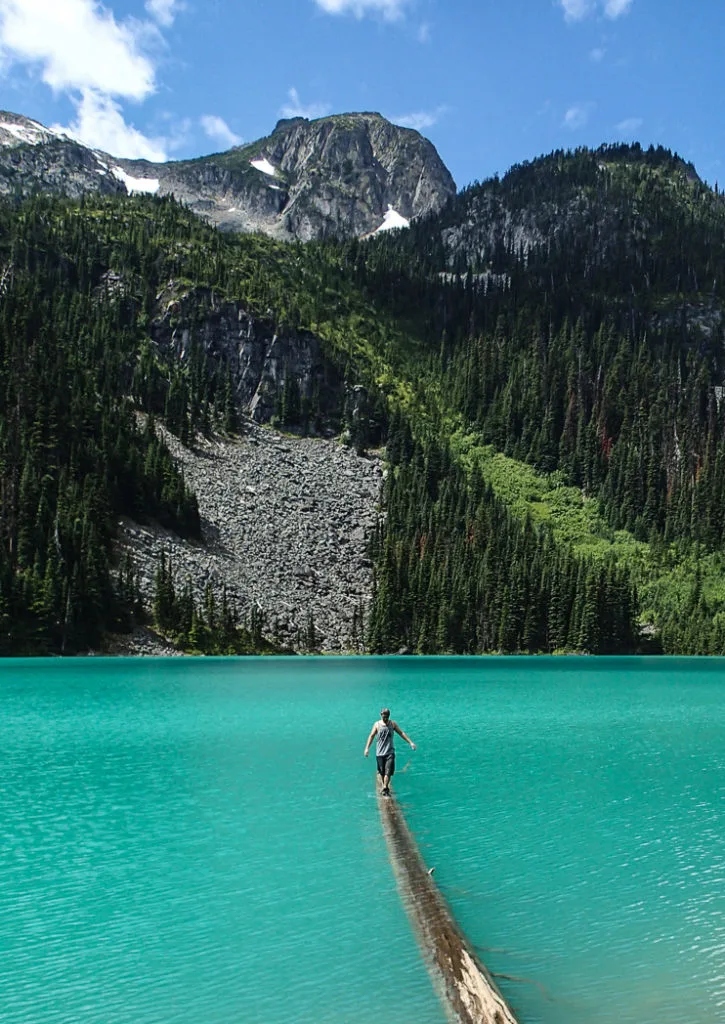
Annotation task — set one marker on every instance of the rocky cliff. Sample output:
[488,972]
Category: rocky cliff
[286,521]
[259,357]
[348,174]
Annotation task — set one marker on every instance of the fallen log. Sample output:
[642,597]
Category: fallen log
[466,988]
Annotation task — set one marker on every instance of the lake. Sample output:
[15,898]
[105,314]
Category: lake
[198,840]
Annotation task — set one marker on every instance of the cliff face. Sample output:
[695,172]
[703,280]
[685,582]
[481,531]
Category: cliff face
[286,521]
[261,359]
[341,176]
[346,172]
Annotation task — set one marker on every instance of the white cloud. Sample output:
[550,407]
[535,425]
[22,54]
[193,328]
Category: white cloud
[630,125]
[178,132]
[597,54]
[575,10]
[100,124]
[80,48]
[295,108]
[391,10]
[423,33]
[78,45]
[422,119]
[576,117]
[218,130]
[616,8]
[163,11]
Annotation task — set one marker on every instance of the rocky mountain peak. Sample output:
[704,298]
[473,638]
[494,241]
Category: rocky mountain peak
[286,122]
[341,175]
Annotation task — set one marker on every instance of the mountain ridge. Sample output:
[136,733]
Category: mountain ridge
[329,177]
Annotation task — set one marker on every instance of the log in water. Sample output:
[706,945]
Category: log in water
[468,991]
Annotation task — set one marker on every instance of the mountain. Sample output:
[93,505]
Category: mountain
[540,363]
[577,308]
[348,174]
[37,159]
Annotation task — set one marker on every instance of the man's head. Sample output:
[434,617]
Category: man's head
[385,714]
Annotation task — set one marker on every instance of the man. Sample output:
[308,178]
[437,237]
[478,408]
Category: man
[385,750]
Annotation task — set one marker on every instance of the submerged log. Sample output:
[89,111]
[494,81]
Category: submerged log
[467,989]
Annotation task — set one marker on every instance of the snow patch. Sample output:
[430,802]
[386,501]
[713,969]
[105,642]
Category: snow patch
[23,134]
[149,185]
[30,132]
[392,219]
[263,165]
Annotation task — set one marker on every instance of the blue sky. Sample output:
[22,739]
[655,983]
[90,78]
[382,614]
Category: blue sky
[490,83]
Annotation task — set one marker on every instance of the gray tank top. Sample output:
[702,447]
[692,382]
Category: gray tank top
[385,739]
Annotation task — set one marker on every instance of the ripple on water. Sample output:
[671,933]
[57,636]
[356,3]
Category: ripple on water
[195,842]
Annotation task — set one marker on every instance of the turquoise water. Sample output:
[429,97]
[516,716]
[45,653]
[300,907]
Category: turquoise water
[197,840]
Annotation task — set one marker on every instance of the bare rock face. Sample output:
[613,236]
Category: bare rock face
[338,176]
[37,159]
[258,356]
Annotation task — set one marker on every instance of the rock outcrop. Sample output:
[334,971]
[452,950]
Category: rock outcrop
[260,357]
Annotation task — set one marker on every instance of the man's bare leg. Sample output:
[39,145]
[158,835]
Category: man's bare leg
[386,784]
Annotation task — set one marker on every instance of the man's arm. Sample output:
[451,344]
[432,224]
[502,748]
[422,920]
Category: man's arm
[373,731]
[401,733]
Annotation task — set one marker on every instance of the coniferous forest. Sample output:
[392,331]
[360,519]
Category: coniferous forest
[545,359]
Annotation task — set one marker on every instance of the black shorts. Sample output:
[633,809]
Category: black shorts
[386,765]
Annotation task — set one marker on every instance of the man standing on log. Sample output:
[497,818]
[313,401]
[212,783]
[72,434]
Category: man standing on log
[385,750]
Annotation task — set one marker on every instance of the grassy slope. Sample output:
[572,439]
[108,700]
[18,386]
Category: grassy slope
[665,578]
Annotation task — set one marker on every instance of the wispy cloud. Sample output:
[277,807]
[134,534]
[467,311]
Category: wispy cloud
[423,33]
[178,132]
[629,126]
[577,10]
[390,10]
[576,116]
[616,8]
[218,130]
[597,54]
[296,108]
[421,119]
[81,49]
[100,124]
[163,11]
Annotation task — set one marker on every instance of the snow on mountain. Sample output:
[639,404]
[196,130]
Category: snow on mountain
[29,132]
[392,219]
[150,185]
[262,164]
[340,175]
